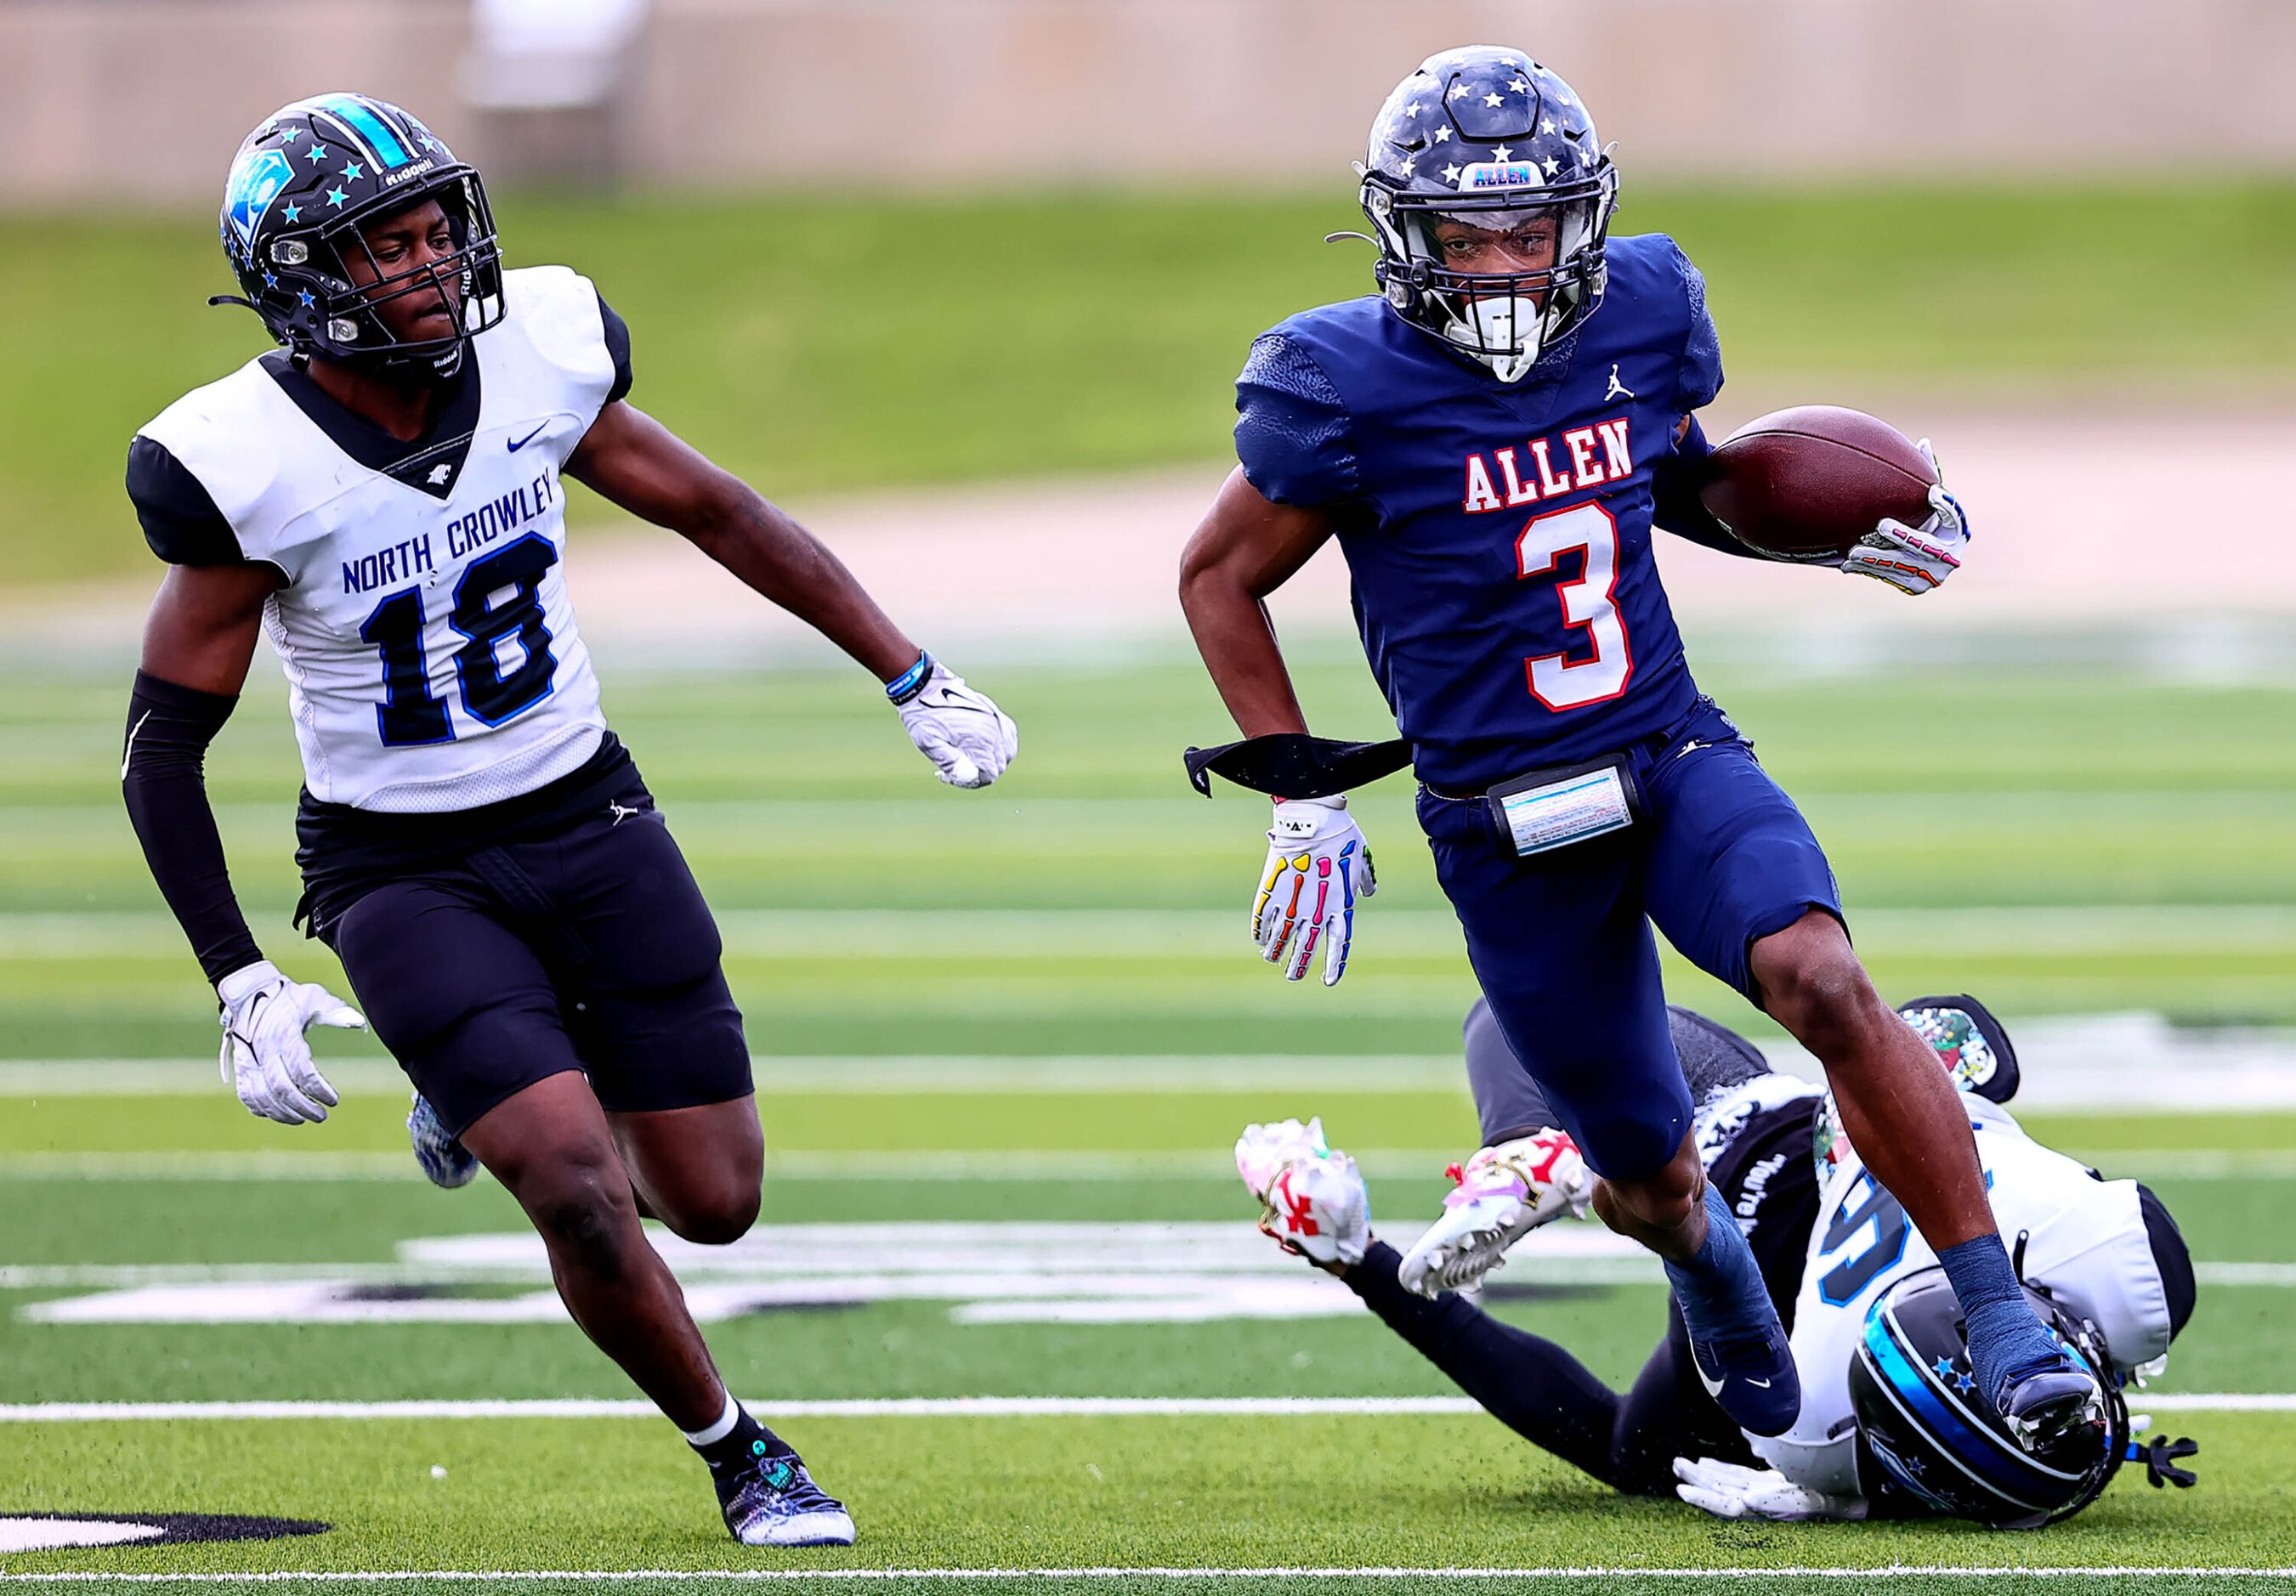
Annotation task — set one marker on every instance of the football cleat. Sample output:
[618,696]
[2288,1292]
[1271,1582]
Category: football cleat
[1263,1150]
[1504,1193]
[773,1502]
[1752,1379]
[1312,1199]
[1969,1042]
[2045,1405]
[445,1160]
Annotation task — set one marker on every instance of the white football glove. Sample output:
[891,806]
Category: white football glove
[1732,1490]
[1914,560]
[1317,865]
[264,1057]
[960,729]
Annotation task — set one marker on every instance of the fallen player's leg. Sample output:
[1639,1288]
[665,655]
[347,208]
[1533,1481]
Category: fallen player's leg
[1535,1388]
[1315,1205]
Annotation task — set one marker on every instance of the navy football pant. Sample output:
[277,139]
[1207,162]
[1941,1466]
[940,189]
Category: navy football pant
[590,948]
[1562,942]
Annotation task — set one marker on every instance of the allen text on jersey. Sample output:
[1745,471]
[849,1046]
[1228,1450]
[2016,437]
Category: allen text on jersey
[1582,457]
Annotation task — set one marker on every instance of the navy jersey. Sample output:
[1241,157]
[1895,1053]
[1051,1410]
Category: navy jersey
[1499,534]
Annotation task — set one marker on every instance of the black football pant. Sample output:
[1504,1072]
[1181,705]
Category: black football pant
[1546,1397]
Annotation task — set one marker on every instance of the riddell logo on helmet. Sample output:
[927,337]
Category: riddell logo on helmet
[393,179]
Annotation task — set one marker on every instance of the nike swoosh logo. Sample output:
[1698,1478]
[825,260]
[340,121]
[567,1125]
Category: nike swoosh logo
[516,444]
[1759,1384]
[129,754]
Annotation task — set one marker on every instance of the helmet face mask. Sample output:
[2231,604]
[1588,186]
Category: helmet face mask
[1925,1432]
[361,284]
[1487,140]
[305,189]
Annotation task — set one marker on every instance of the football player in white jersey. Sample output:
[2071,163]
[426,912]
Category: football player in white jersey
[383,495]
[1889,1424]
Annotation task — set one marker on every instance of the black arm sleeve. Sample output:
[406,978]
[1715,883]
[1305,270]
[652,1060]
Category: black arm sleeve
[161,772]
[617,345]
[1678,510]
[179,518]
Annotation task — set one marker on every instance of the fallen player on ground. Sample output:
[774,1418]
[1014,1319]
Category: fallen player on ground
[1887,1425]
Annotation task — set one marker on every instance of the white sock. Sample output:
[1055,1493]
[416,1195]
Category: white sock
[718,1431]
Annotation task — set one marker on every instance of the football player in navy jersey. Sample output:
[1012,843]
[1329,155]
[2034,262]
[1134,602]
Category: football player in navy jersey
[1492,438]
[383,497]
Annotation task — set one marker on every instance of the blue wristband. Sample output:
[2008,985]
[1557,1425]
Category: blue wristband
[911,682]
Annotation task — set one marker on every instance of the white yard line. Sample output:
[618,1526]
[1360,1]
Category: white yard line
[626,1576]
[906,1407]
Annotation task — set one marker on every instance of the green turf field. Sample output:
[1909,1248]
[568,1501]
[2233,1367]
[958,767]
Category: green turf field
[1034,1006]
[812,345]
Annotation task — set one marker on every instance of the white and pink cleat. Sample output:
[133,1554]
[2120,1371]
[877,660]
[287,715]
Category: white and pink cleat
[1504,1193]
[1312,1199]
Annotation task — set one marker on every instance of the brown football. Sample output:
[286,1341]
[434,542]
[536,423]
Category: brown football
[1810,482]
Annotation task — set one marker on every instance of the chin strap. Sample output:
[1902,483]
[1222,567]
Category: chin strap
[215,299]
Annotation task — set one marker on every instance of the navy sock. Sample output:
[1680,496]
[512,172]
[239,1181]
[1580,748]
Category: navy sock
[1720,1289]
[747,1439]
[2006,1339]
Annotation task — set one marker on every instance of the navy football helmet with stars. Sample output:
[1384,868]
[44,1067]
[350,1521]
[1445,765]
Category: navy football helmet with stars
[1926,1431]
[300,188]
[1487,137]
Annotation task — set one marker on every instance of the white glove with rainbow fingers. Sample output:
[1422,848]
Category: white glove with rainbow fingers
[1312,1199]
[1317,865]
[1914,560]
[1733,1491]
[264,1057]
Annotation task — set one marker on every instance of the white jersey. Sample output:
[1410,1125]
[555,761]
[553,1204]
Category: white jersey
[2089,1247]
[432,657]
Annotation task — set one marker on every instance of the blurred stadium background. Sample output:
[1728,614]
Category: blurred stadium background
[965,282]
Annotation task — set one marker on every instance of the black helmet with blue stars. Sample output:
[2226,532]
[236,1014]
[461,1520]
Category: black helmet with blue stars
[1925,1428]
[1486,139]
[300,188]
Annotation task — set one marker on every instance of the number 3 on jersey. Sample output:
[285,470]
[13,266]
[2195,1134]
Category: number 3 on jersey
[1557,681]
[410,713]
